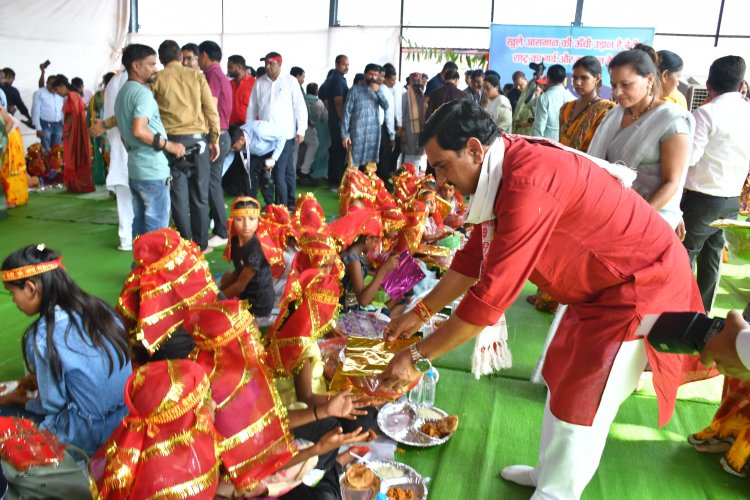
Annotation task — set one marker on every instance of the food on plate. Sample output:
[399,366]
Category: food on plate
[441,428]
[397,493]
[428,413]
[389,472]
[360,477]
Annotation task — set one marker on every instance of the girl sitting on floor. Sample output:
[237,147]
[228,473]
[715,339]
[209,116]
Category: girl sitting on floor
[434,228]
[357,294]
[251,279]
[77,348]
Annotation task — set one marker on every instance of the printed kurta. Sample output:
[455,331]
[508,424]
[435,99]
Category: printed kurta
[361,123]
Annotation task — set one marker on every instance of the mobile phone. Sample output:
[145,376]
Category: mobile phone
[679,332]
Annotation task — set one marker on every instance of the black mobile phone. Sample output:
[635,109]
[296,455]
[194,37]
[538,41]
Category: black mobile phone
[680,332]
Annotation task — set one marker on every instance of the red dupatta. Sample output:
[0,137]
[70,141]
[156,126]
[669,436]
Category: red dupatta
[249,414]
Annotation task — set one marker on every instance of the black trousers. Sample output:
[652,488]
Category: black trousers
[216,210]
[336,155]
[387,162]
[189,191]
[704,243]
[261,180]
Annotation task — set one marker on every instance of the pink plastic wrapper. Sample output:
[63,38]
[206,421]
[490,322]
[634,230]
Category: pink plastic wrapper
[402,279]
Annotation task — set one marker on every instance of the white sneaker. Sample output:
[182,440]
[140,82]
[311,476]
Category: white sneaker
[217,241]
[519,474]
[124,248]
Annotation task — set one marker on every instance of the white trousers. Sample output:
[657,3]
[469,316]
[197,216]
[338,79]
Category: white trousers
[569,454]
[124,215]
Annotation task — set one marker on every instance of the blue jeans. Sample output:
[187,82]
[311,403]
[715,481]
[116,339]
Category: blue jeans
[150,205]
[52,134]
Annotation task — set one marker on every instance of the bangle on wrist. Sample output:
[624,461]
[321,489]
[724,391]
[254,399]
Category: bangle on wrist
[156,142]
[422,311]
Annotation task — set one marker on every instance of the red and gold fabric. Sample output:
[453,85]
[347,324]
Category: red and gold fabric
[77,175]
[405,184]
[249,415]
[13,171]
[411,234]
[307,310]
[274,229]
[247,211]
[35,160]
[167,447]
[357,222]
[356,185]
[731,423]
[24,445]
[55,158]
[170,276]
[308,214]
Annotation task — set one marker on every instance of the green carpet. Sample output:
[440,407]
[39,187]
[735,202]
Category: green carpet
[500,415]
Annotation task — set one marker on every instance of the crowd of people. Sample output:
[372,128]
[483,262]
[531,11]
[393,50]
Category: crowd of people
[229,368]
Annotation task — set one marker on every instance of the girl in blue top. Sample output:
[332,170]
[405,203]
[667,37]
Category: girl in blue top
[76,348]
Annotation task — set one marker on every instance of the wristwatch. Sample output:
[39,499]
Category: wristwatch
[421,363]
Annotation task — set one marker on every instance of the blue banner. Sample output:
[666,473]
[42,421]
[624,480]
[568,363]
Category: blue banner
[514,47]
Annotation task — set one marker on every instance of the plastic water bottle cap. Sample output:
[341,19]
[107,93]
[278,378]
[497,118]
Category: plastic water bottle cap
[381,496]
[430,373]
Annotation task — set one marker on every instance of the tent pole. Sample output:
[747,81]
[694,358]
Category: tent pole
[400,39]
[718,24]
[579,13]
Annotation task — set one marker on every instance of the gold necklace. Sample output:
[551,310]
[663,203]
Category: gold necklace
[636,117]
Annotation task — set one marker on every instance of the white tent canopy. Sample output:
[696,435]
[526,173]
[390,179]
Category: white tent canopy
[85,38]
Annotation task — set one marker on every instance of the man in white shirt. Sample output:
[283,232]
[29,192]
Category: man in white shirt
[47,114]
[720,159]
[386,160]
[277,98]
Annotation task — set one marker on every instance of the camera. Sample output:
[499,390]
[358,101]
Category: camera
[538,69]
[185,162]
[679,332]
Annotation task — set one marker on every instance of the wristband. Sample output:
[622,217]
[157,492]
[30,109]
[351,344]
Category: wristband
[156,143]
[421,310]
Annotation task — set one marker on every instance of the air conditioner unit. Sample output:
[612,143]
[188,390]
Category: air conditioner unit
[695,94]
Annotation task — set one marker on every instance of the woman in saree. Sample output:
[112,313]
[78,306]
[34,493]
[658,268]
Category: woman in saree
[646,133]
[13,171]
[579,120]
[77,175]
[98,144]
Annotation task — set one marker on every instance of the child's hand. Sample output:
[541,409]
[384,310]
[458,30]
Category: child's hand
[343,405]
[27,384]
[336,438]
[390,264]
[14,398]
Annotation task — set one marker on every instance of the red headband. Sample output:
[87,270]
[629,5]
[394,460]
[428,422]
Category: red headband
[273,59]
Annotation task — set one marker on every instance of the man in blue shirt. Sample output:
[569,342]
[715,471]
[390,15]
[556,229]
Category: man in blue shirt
[547,114]
[145,139]
[47,114]
[438,80]
[262,143]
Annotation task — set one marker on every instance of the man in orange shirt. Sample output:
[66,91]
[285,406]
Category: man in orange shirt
[242,86]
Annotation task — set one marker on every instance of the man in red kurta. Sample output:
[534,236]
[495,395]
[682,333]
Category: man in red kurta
[565,222]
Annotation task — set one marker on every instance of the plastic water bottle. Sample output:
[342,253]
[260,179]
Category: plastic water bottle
[415,395]
[429,382]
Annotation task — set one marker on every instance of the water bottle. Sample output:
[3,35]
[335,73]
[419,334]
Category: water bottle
[415,395]
[429,382]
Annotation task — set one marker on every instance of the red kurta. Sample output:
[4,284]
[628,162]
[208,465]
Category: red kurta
[569,227]
[77,146]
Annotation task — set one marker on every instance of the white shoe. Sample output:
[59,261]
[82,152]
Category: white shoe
[519,474]
[217,241]
[123,248]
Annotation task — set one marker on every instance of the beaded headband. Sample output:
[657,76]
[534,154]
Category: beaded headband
[246,211]
[24,272]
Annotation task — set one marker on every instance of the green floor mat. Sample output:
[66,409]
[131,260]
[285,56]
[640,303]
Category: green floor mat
[500,415]
[499,425]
